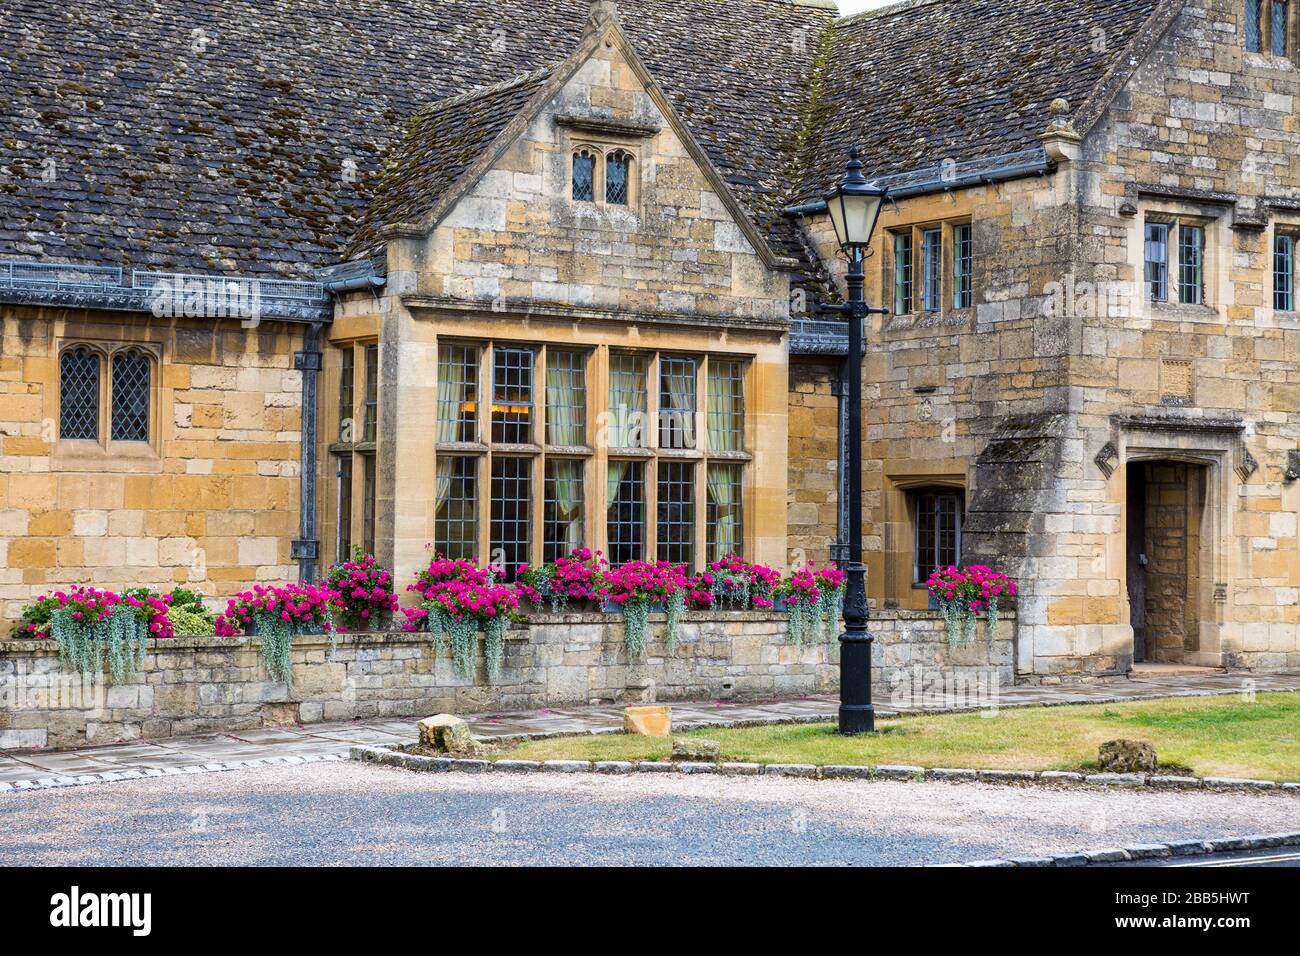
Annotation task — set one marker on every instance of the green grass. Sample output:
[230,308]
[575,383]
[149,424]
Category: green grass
[1211,736]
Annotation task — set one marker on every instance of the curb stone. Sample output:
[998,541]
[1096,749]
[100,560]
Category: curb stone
[397,758]
[1155,851]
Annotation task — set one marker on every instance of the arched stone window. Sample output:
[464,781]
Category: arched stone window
[618,174]
[131,374]
[79,394]
[584,175]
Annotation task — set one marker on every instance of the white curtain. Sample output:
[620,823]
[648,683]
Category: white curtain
[725,407]
[565,408]
[724,494]
[451,388]
[681,392]
[627,401]
[567,474]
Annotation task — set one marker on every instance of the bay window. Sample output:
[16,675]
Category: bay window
[553,465]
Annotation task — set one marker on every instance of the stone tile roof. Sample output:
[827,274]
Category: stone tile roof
[920,82]
[441,142]
[246,135]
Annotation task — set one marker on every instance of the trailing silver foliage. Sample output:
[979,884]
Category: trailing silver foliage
[120,638]
[675,607]
[276,635]
[494,645]
[636,628]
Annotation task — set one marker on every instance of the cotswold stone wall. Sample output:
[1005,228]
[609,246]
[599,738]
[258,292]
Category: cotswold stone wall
[210,500]
[199,685]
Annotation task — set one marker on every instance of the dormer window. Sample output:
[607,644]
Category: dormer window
[1268,27]
[584,175]
[618,167]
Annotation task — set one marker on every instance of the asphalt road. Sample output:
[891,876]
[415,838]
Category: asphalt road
[347,813]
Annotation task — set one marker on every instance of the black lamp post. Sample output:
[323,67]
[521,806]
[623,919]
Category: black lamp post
[854,208]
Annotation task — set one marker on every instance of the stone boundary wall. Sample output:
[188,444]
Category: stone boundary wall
[202,685]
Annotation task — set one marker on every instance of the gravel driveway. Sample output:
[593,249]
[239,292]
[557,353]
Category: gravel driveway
[348,813]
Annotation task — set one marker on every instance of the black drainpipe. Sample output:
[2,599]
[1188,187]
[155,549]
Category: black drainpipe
[306,549]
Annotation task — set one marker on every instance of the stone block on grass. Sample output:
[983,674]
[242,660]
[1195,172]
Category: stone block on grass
[650,721]
[446,733]
[697,749]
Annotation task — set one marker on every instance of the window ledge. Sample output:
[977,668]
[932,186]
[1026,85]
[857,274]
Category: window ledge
[631,453]
[1195,313]
[730,456]
[685,453]
[72,455]
[522,448]
[463,447]
[568,450]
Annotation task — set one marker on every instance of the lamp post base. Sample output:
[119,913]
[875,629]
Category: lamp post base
[857,719]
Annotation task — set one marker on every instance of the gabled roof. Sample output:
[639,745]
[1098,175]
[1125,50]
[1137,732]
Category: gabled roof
[443,140]
[192,135]
[453,144]
[928,80]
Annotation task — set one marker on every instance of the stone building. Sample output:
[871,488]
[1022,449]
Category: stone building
[503,279]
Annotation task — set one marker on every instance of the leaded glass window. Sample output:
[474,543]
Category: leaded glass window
[1157,261]
[512,396]
[345,507]
[1284,272]
[79,395]
[511,512]
[368,491]
[1255,25]
[1191,265]
[962,266]
[131,396]
[676,402]
[1280,27]
[372,393]
[618,168]
[931,270]
[625,518]
[457,393]
[677,512]
[566,399]
[347,382]
[455,521]
[627,400]
[938,532]
[726,405]
[584,176]
[723,522]
[902,273]
[562,507]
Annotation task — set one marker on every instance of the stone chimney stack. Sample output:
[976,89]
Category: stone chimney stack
[603,12]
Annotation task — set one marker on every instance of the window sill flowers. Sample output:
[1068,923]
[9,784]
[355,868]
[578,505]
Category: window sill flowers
[814,598]
[276,615]
[570,580]
[964,594]
[634,587]
[364,598]
[459,599]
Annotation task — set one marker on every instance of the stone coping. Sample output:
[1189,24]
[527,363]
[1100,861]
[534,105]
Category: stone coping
[516,632]
[396,757]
